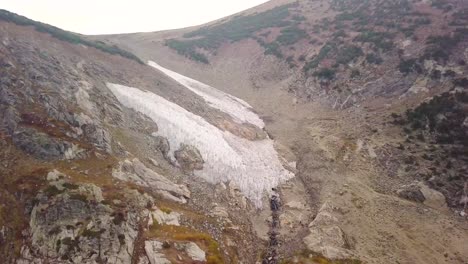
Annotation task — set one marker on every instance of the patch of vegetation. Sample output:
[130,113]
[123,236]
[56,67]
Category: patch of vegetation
[442,4]
[119,218]
[355,73]
[460,18]
[65,35]
[373,58]
[348,54]
[70,186]
[290,35]
[92,233]
[440,47]
[79,197]
[52,190]
[441,115]
[381,40]
[462,82]
[236,29]
[298,18]
[272,48]
[166,210]
[181,233]
[340,33]
[325,73]
[324,51]
[187,49]
[307,256]
[350,15]
[410,65]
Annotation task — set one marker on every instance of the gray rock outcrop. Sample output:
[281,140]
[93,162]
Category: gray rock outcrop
[136,171]
[70,223]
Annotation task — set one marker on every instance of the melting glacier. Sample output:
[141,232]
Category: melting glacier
[235,107]
[254,166]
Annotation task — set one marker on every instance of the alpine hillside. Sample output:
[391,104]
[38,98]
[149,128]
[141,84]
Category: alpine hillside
[308,131]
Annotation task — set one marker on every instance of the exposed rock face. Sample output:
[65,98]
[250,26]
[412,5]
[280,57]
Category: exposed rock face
[164,218]
[326,237]
[71,224]
[45,147]
[137,172]
[93,131]
[189,158]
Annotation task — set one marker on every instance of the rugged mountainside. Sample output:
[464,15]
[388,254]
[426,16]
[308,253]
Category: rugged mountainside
[329,131]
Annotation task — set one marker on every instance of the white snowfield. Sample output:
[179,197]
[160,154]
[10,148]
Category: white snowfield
[235,107]
[254,166]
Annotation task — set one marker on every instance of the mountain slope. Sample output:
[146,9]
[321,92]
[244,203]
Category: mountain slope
[338,83]
[314,150]
[94,171]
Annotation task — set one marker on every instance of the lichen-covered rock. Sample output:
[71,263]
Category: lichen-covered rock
[137,172]
[45,147]
[70,223]
[153,252]
[189,158]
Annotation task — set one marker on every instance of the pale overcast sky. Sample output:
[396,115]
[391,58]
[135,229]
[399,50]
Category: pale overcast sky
[124,16]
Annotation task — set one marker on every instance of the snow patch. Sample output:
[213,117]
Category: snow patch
[235,107]
[254,166]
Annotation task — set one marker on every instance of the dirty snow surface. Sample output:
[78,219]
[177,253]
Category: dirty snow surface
[253,166]
[235,107]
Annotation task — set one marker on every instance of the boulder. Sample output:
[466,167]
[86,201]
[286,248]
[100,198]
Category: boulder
[411,192]
[192,250]
[433,198]
[189,158]
[419,192]
[326,237]
[163,218]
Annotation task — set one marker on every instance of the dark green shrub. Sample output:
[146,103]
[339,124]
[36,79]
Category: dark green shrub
[348,53]
[355,73]
[373,58]
[382,40]
[188,49]
[272,48]
[322,55]
[291,35]
[436,74]
[462,82]
[325,73]
[410,65]
[450,73]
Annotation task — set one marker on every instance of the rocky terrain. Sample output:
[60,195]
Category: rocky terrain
[310,131]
